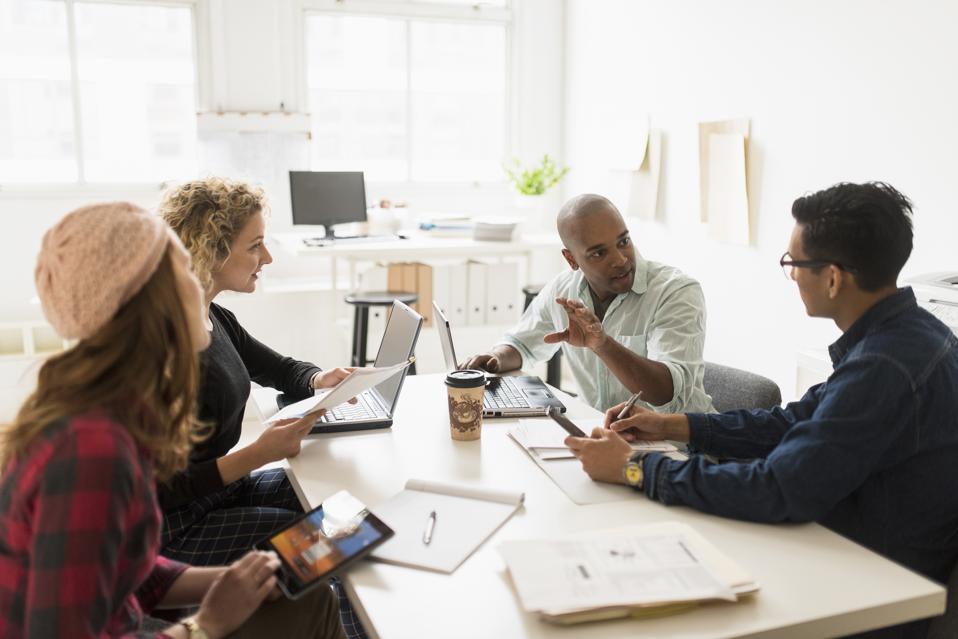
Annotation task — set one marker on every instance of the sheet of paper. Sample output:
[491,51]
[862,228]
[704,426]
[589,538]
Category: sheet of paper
[568,475]
[546,439]
[706,129]
[558,576]
[629,148]
[644,191]
[358,381]
[728,191]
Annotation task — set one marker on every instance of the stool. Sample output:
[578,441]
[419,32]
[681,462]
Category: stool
[362,301]
[554,365]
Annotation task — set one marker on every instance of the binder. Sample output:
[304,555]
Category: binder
[458,293]
[424,291]
[441,287]
[502,293]
[375,278]
[476,293]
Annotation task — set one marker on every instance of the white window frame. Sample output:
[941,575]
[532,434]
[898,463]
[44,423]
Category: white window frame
[477,13]
[200,18]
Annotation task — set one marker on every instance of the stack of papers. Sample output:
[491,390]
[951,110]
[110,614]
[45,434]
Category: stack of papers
[542,438]
[631,571]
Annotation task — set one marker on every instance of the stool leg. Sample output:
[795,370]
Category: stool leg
[360,326]
[554,370]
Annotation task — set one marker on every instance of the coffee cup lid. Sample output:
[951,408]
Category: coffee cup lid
[467,378]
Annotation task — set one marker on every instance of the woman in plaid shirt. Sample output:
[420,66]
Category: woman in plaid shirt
[79,521]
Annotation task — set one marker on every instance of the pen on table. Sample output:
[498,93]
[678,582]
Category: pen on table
[430,524]
[629,404]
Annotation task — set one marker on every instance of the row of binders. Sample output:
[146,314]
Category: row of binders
[471,293]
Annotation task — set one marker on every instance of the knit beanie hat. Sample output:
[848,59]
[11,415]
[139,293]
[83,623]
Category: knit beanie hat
[93,261]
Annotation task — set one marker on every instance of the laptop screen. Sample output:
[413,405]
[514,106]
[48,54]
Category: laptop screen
[445,339]
[399,343]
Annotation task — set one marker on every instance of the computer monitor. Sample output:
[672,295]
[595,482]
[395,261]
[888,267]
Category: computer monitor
[327,198]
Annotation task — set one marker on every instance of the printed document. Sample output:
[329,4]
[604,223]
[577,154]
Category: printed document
[358,381]
[657,566]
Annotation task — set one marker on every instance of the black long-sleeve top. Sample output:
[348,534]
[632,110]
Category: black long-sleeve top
[233,358]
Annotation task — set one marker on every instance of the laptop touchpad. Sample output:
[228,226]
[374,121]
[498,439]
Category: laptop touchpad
[537,392]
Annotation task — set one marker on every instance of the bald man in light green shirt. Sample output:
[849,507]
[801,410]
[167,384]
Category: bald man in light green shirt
[636,326]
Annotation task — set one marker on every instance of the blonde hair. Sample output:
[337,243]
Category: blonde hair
[208,215]
[140,369]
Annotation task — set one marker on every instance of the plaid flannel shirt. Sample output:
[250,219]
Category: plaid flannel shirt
[79,535]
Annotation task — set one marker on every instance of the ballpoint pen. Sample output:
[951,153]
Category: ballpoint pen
[430,524]
[629,404]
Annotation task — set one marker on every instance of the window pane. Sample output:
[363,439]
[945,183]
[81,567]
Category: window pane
[137,91]
[356,70]
[458,78]
[36,107]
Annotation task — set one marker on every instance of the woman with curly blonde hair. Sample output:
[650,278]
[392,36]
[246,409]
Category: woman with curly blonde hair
[221,504]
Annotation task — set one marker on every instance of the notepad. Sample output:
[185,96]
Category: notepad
[465,517]
[642,570]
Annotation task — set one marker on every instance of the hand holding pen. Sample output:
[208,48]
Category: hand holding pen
[633,422]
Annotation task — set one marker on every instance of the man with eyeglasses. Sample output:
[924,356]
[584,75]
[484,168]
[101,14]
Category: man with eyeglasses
[872,453]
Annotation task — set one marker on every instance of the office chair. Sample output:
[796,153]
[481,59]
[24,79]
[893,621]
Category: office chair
[733,388]
[946,626]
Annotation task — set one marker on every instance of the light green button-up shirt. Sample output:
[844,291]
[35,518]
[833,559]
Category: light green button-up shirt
[662,318]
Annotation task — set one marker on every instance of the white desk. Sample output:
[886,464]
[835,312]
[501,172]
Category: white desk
[814,583]
[417,248]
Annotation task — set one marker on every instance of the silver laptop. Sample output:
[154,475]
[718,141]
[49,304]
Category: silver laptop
[506,396]
[374,408]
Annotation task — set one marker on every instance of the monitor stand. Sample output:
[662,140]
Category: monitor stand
[332,237]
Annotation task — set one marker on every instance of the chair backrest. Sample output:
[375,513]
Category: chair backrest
[733,388]
[946,626]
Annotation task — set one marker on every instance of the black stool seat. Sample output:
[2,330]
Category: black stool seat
[380,298]
[554,365]
[363,301]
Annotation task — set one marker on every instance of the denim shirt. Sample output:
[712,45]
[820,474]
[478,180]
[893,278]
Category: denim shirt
[872,453]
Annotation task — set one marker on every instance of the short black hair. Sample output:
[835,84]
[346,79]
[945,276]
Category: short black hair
[865,227]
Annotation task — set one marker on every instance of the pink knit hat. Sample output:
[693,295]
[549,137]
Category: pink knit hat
[93,261]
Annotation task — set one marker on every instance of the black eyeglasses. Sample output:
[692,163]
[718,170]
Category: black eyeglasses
[789,265]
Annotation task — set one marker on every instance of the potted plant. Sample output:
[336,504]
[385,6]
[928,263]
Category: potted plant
[531,184]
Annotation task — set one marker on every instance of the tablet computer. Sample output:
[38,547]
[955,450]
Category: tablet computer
[316,546]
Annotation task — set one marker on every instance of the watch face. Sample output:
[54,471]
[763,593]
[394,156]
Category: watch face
[633,474]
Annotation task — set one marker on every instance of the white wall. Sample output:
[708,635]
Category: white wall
[849,90]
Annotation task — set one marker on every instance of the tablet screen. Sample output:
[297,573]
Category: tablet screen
[314,547]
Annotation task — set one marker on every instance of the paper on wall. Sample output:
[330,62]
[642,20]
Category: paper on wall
[706,129]
[728,189]
[628,150]
[644,192]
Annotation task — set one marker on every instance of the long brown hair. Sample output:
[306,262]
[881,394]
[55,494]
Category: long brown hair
[140,369]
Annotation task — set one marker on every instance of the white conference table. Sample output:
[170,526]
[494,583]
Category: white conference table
[814,583]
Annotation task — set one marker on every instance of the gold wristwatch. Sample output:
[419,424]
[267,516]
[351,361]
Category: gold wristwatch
[194,629]
[633,473]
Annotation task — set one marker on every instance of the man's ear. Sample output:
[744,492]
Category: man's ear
[837,280]
[567,254]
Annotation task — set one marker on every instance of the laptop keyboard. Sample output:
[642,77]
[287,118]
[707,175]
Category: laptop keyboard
[504,394]
[362,409]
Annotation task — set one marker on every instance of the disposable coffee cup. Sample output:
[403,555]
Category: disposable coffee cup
[464,390]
